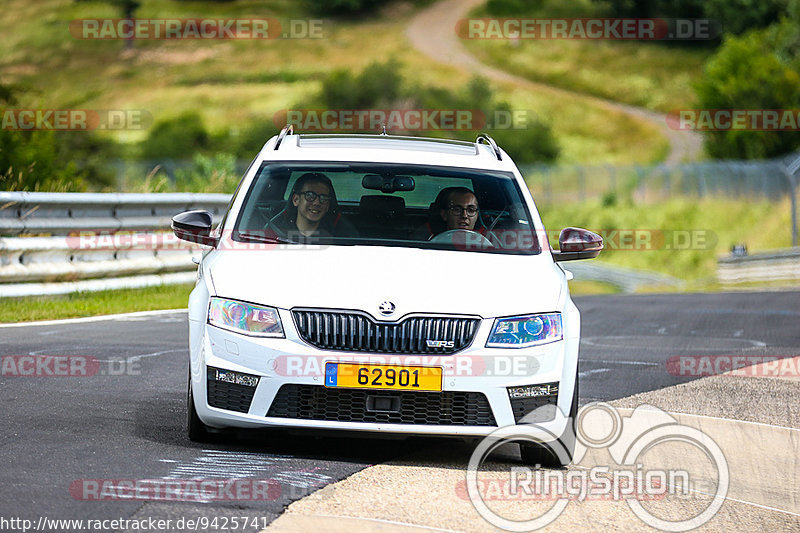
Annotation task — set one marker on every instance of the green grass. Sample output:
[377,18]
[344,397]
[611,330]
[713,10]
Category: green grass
[588,288]
[233,83]
[94,303]
[653,75]
[688,234]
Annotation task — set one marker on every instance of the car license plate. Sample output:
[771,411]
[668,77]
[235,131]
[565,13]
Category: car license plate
[359,376]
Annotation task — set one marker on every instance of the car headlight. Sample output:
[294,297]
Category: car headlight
[524,331]
[243,317]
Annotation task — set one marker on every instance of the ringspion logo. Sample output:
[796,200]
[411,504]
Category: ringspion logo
[632,453]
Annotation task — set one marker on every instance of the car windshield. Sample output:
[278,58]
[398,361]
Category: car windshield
[419,206]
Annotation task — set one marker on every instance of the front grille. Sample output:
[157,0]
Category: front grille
[353,331]
[448,408]
[230,396]
[545,407]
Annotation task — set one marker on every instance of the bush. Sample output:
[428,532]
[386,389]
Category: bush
[215,173]
[343,7]
[379,84]
[28,162]
[759,70]
[176,138]
[506,8]
[734,16]
[53,161]
[250,139]
[738,16]
[655,8]
[383,86]
[532,142]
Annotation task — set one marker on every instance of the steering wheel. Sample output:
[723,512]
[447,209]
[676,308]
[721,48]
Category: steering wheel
[462,238]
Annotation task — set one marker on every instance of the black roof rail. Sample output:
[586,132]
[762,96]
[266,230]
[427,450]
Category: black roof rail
[484,138]
[288,129]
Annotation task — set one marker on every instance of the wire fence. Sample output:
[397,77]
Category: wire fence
[737,179]
[773,179]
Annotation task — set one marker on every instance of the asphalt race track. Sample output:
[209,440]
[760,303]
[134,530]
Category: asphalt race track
[127,421]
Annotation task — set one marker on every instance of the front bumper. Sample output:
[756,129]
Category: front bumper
[475,374]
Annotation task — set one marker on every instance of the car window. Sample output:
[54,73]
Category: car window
[393,205]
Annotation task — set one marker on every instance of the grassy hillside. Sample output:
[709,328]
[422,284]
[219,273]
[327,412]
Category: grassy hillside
[654,75]
[236,82]
[717,223]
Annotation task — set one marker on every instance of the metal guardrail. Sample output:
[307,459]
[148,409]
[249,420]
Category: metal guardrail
[780,265]
[57,243]
[29,213]
[629,280]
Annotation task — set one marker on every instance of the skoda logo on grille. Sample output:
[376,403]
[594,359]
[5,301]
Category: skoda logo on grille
[386,308]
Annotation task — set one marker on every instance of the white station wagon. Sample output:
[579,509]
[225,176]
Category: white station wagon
[383,284]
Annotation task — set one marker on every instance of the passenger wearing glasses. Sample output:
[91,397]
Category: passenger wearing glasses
[459,209]
[454,208]
[311,210]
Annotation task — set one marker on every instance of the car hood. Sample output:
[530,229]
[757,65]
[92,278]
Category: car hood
[414,280]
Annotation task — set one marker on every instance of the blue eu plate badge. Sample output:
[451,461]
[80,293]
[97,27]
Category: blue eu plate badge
[330,374]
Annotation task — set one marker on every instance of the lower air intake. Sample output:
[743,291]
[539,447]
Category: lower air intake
[448,408]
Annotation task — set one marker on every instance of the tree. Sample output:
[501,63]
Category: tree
[128,8]
[46,160]
[759,70]
[737,16]
[733,16]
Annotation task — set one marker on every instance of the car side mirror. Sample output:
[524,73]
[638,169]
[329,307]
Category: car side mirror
[194,226]
[577,243]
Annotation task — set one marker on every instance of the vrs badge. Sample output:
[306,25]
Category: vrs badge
[439,344]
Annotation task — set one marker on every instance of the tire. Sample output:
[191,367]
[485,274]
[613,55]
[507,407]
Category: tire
[545,455]
[197,431]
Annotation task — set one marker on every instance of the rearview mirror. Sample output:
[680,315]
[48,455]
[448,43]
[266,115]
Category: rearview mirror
[387,184]
[577,243]
[194,226]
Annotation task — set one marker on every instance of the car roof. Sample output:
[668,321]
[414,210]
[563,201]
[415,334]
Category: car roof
[483,153]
